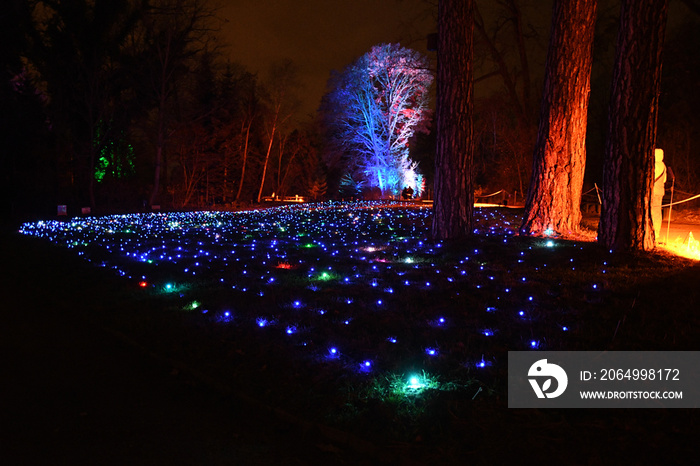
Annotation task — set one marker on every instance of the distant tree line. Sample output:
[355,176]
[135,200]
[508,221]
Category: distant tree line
[128,104]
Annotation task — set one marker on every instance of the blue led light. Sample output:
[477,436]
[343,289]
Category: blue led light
[310,249]
[333,352]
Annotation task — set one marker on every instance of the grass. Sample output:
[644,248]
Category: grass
[572,296]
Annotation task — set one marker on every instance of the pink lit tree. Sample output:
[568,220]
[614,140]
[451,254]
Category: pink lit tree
[374,108]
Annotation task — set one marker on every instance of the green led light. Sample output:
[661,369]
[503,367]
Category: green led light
[193,305]
[415,383]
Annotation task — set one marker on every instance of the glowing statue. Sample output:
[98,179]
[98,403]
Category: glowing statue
[658,192]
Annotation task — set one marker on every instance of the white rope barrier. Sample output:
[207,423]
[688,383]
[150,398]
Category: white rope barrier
[596,189]
[680,202]
[490,195]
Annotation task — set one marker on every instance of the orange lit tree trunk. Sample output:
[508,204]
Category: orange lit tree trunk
[628,167]
[554,198]
[453,208]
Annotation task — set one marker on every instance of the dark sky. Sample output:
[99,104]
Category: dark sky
[324,35]
[319,35]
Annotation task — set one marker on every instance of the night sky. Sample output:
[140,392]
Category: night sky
[324,35]
[320,35]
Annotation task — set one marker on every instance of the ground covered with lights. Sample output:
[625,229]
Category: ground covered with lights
[349,315]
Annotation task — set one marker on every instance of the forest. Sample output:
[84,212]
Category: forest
[132,105]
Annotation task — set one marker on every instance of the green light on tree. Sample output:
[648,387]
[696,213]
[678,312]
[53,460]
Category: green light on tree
[115,155]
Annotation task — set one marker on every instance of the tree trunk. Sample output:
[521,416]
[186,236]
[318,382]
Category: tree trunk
[160,143]
[453,208]
[245,158]
[267,157]
[554,198]
[628,168]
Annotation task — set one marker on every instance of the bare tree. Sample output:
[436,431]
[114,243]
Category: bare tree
[175,31]
[250,112]
[281,106]
[375,107]
[554,198]
[517,80]
[628,168]
[295,149]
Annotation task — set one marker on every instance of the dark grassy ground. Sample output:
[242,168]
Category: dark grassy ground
[97,373]
[74,391]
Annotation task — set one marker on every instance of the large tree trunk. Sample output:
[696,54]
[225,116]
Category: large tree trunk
[453,209]
[628,168]
[554,198]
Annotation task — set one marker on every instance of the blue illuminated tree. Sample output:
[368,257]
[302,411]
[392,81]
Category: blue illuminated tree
[373,109]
